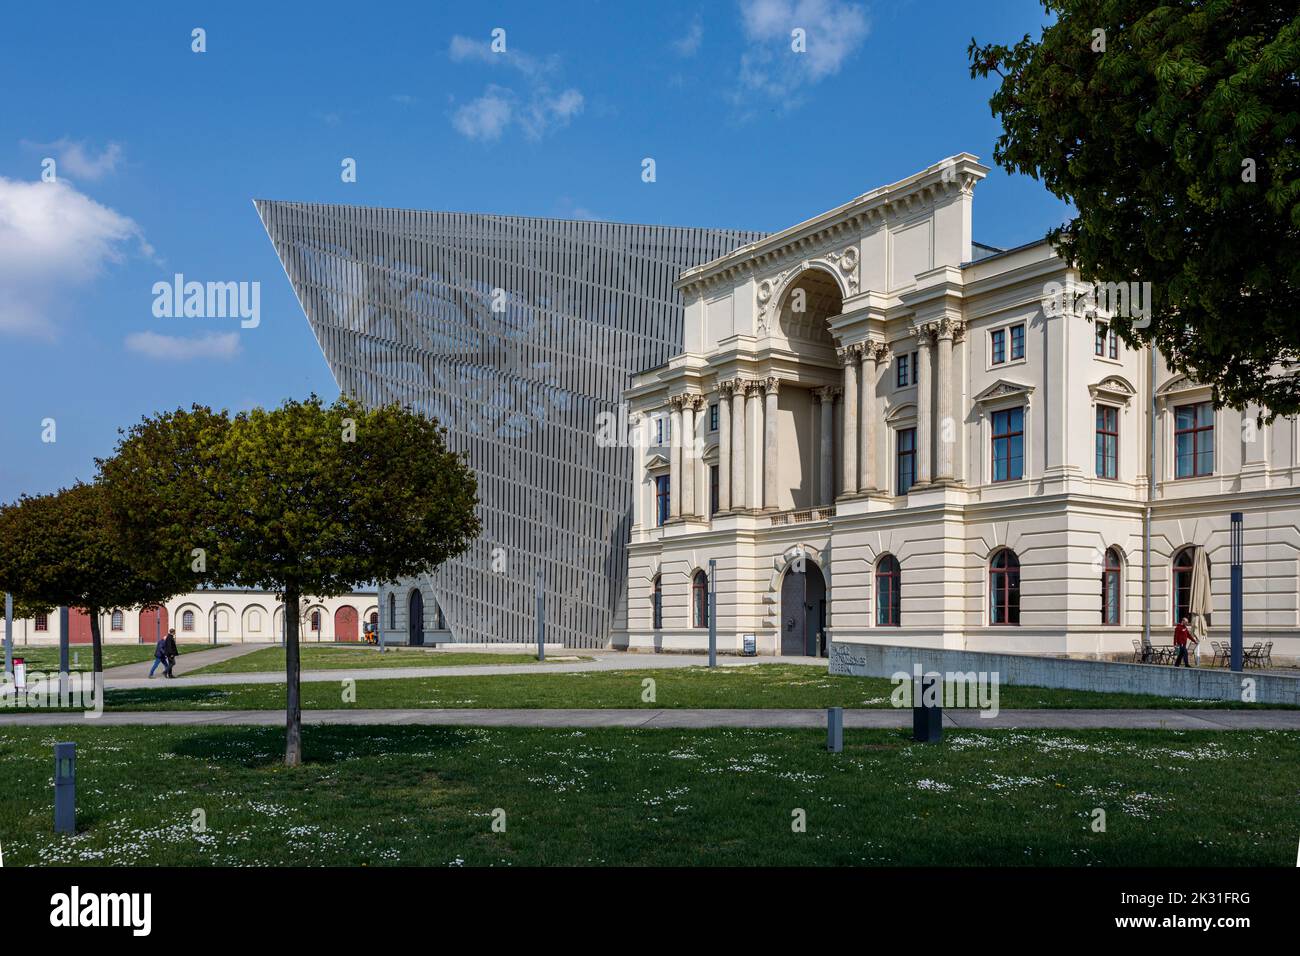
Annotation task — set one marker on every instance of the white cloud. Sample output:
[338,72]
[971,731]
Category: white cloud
[52,238]
[75,159]
[689,43]
[176,348]
[834,30]
[536,111]
[486,117]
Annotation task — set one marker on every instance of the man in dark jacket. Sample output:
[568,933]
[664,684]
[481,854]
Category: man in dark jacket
[171,650]
[160,657]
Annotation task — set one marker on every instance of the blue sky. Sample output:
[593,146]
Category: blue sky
[159,151]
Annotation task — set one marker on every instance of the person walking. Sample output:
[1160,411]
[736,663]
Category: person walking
[1182,634]
[171,650]
[160,657]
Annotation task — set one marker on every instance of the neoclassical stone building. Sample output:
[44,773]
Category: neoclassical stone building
[882,431]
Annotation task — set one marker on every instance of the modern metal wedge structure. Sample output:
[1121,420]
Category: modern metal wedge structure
[518,335]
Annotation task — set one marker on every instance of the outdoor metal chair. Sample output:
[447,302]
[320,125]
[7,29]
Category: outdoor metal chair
[1250,657]
[1266,658]
[1220,653]
[1137,652]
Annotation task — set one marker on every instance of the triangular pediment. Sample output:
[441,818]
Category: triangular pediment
[1004,388]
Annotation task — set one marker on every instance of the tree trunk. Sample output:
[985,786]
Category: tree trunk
[96,641]
[293,704]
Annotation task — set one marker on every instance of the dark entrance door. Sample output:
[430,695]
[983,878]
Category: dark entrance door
[415,619]
[803,612]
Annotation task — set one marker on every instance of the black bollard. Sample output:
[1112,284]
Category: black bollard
[65,788]
[835,729]
[927,721]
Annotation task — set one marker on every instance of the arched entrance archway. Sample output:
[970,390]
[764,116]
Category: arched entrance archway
[415,619]
[803,610]
[153,624]
[345,623]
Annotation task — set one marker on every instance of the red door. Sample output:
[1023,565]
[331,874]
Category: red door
[345,623]
[151,628]
[78,626]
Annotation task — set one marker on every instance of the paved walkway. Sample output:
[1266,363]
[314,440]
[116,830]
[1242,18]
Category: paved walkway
[189,659]
[603,661]
[883,718]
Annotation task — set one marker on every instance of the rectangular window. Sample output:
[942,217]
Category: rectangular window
[903,367]
[659,430]
[661,500]
[1107,442]
[1099,339]
[998,343]
[42,622]
[1112,346]
[116,622]
[905,475]
[713,490]
[713,418]
[1194,440]
[1009,445]
[1018,341]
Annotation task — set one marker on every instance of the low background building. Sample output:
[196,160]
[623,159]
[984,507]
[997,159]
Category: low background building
[212,617]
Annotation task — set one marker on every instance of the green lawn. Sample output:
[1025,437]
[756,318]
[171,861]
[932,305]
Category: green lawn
[426,796]
[46,658]
[759,685]
[325,657]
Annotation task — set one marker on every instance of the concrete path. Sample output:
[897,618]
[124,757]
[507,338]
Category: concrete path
[603,661]
[188,660]
[884,718]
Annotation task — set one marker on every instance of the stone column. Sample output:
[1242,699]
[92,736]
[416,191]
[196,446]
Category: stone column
[946,433]
[739,490]
[675,457]
[773,385]
[826,447]
[924,417]
[849,443]
[754,460]
[690,460]
[724,446]
[872,354]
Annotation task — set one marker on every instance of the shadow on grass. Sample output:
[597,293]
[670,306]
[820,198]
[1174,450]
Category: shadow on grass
[254,747]
[166,695]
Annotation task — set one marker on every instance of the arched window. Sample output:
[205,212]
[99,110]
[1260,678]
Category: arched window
[1111,575]
[1004,588]
[315,621]
[392,610]
[117,621]
[187,621]
[374,615]
[439,619]
[888,591]
[657,606]
[1184,561]
[700,599]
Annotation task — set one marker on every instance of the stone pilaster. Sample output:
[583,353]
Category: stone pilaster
[770,390]
[924,414]
[948,330]
[849,357]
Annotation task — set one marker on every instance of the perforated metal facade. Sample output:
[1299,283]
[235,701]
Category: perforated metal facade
[402,304]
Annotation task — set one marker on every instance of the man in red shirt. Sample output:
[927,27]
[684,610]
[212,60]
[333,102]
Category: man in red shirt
[1182,634]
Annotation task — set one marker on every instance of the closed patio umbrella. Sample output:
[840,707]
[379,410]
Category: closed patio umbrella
[1200,598]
